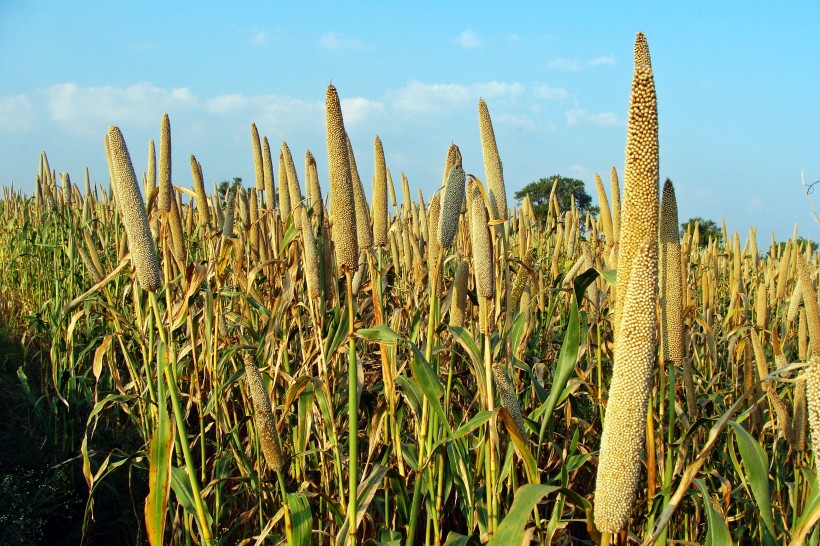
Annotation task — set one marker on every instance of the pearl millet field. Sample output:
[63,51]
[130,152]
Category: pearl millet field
[276,366]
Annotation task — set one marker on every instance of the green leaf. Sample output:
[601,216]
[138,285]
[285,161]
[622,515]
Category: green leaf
[382,333]
[610,276]
[567,358]
[159,477]
[756,464]
[301,517]
[717,533]
[455,539]
[520,445]
[430,385]
[181,484]
[811,511]
[512,527]
[364,493]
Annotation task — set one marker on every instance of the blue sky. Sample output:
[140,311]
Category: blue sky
[737,83]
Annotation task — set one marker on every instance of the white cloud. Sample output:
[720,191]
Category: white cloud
[603,59]
[579,116]
[550,93]
[572,65]
[418,97]
[15,113]
[334,40]
[518,121]
[225,104]
[260,37]
[359,109]
[468,39]
[84,108]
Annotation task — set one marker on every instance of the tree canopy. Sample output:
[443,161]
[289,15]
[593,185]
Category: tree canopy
[707,228]
[222,189]
[539,192]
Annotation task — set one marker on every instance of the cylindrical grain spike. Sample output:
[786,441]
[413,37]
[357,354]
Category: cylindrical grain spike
[341,186]
[639,220]
[230,207]
[96,275]
[143,253]
[799,420]
[166,191]
[380,219]
[199,192]
[294,190]
[314,191]
[794,302]
[622,440]
[310,256]
[452,198]
[605,214]
[615,193]
[151,178]
[257,159]
[802,336]
[177,236]
[267,172]
[263,415]
[761,306]
[671,292]
[509,400]
[433,248]
[364,233]
[482,250]
[492,164]
[284,189]
[458,308]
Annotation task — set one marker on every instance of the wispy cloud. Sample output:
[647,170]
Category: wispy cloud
[572,65]
[334,40]
[417,97]
[260,37]
[468,39]
[603,59]
[550,93]
[575,65]
[16,113]
[579,116]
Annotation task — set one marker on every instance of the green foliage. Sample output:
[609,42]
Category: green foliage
[223,187]
[707,228]
[539,193]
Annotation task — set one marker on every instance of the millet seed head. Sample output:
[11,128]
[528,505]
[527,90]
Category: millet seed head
[341,186]
[623,437]
[380,217]
[140,242]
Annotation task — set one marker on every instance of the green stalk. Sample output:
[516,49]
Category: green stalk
[202,520]
[423,437]
[492,505]
[352,417]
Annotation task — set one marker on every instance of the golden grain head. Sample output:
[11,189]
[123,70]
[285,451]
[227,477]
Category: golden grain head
[263,415]
[453,197]
[258,168]
[166,190]
[342,205]
[458,307]
[482,249]
[622,440]
[509,400]
[267,171]
[492,164]
[140,242]
[380,218]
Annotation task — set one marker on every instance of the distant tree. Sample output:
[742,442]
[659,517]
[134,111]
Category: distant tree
[222,189]
[707,228]
[539,193]
[801,241]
